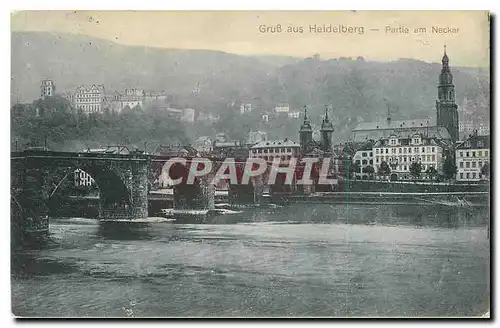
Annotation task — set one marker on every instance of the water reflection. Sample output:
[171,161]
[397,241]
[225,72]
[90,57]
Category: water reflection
[124,230]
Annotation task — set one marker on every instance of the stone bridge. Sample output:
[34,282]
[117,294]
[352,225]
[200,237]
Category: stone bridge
[123,182]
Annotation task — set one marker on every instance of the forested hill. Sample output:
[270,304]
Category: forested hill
[357,89]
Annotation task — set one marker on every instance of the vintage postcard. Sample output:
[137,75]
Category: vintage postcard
[250,164]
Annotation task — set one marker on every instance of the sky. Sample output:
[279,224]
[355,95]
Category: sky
[383,36]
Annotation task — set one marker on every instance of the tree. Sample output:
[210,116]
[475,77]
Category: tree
[370,170]
[432,172]
[415,169]
[384,168]
[485,170]
[449,168]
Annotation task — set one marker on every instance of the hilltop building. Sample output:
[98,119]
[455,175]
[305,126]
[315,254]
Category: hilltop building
[90,99]
[47,88]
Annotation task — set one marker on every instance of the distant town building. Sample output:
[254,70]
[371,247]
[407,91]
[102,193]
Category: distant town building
[282,108]
[294,114]
[131,100]
[364,158]
[210,117]
[245,108]
[269,150]
[188,115]
[47,88]
[82,178]
[470,127]
[471,156]
[90,99]
[265,118]
[256,136]
[230,148]
[400,152]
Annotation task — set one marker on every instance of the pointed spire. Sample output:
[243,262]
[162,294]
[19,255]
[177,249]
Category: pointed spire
[326,113]
[305,113]
[445,49]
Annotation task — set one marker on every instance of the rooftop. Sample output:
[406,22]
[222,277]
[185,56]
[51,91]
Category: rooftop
[276,143]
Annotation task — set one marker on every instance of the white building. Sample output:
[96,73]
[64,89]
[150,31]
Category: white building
[470,158]
[82,178]
[294,115]
[364,158]
[245,108]
[47,88]
[283,108]
[90,99]
[400,152]
[269,150]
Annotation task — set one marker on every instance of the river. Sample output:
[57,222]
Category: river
[296,260]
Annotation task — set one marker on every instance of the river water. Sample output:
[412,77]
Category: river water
[296,260]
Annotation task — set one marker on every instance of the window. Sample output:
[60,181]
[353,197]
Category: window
[433,149]
[371,161]
[404,151]
[400,150]
[480,153]
[486,153]
[473,154]
[433,158]
[376,151]
[371,154]
[377,160]
[393,151]
[358,161]
[467,164]
[467,154]
[259,151]
[265,151]
[387,150]
[289,150]
[409,150]
[467,175]
[474,164]
[480,164]
[473,175]
[271,158]
[423,149]
[461,164]
[365,162]
[461,175]
[461,154]
[364,154]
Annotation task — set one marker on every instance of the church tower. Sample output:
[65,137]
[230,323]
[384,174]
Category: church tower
[305,133]
[326,133]
[446,108]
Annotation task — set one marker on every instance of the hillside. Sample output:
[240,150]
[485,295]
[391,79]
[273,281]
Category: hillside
[356,89]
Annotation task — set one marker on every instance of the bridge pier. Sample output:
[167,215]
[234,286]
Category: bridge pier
[251,193]
[200,195]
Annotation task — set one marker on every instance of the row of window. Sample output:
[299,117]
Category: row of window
[271,158]
[470,175]
[272,150]
[88,100]
[414,141]
[89,108]
[406,150]
[479,144]
[473,153]
[364,162]
[428,158]
[471,164]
